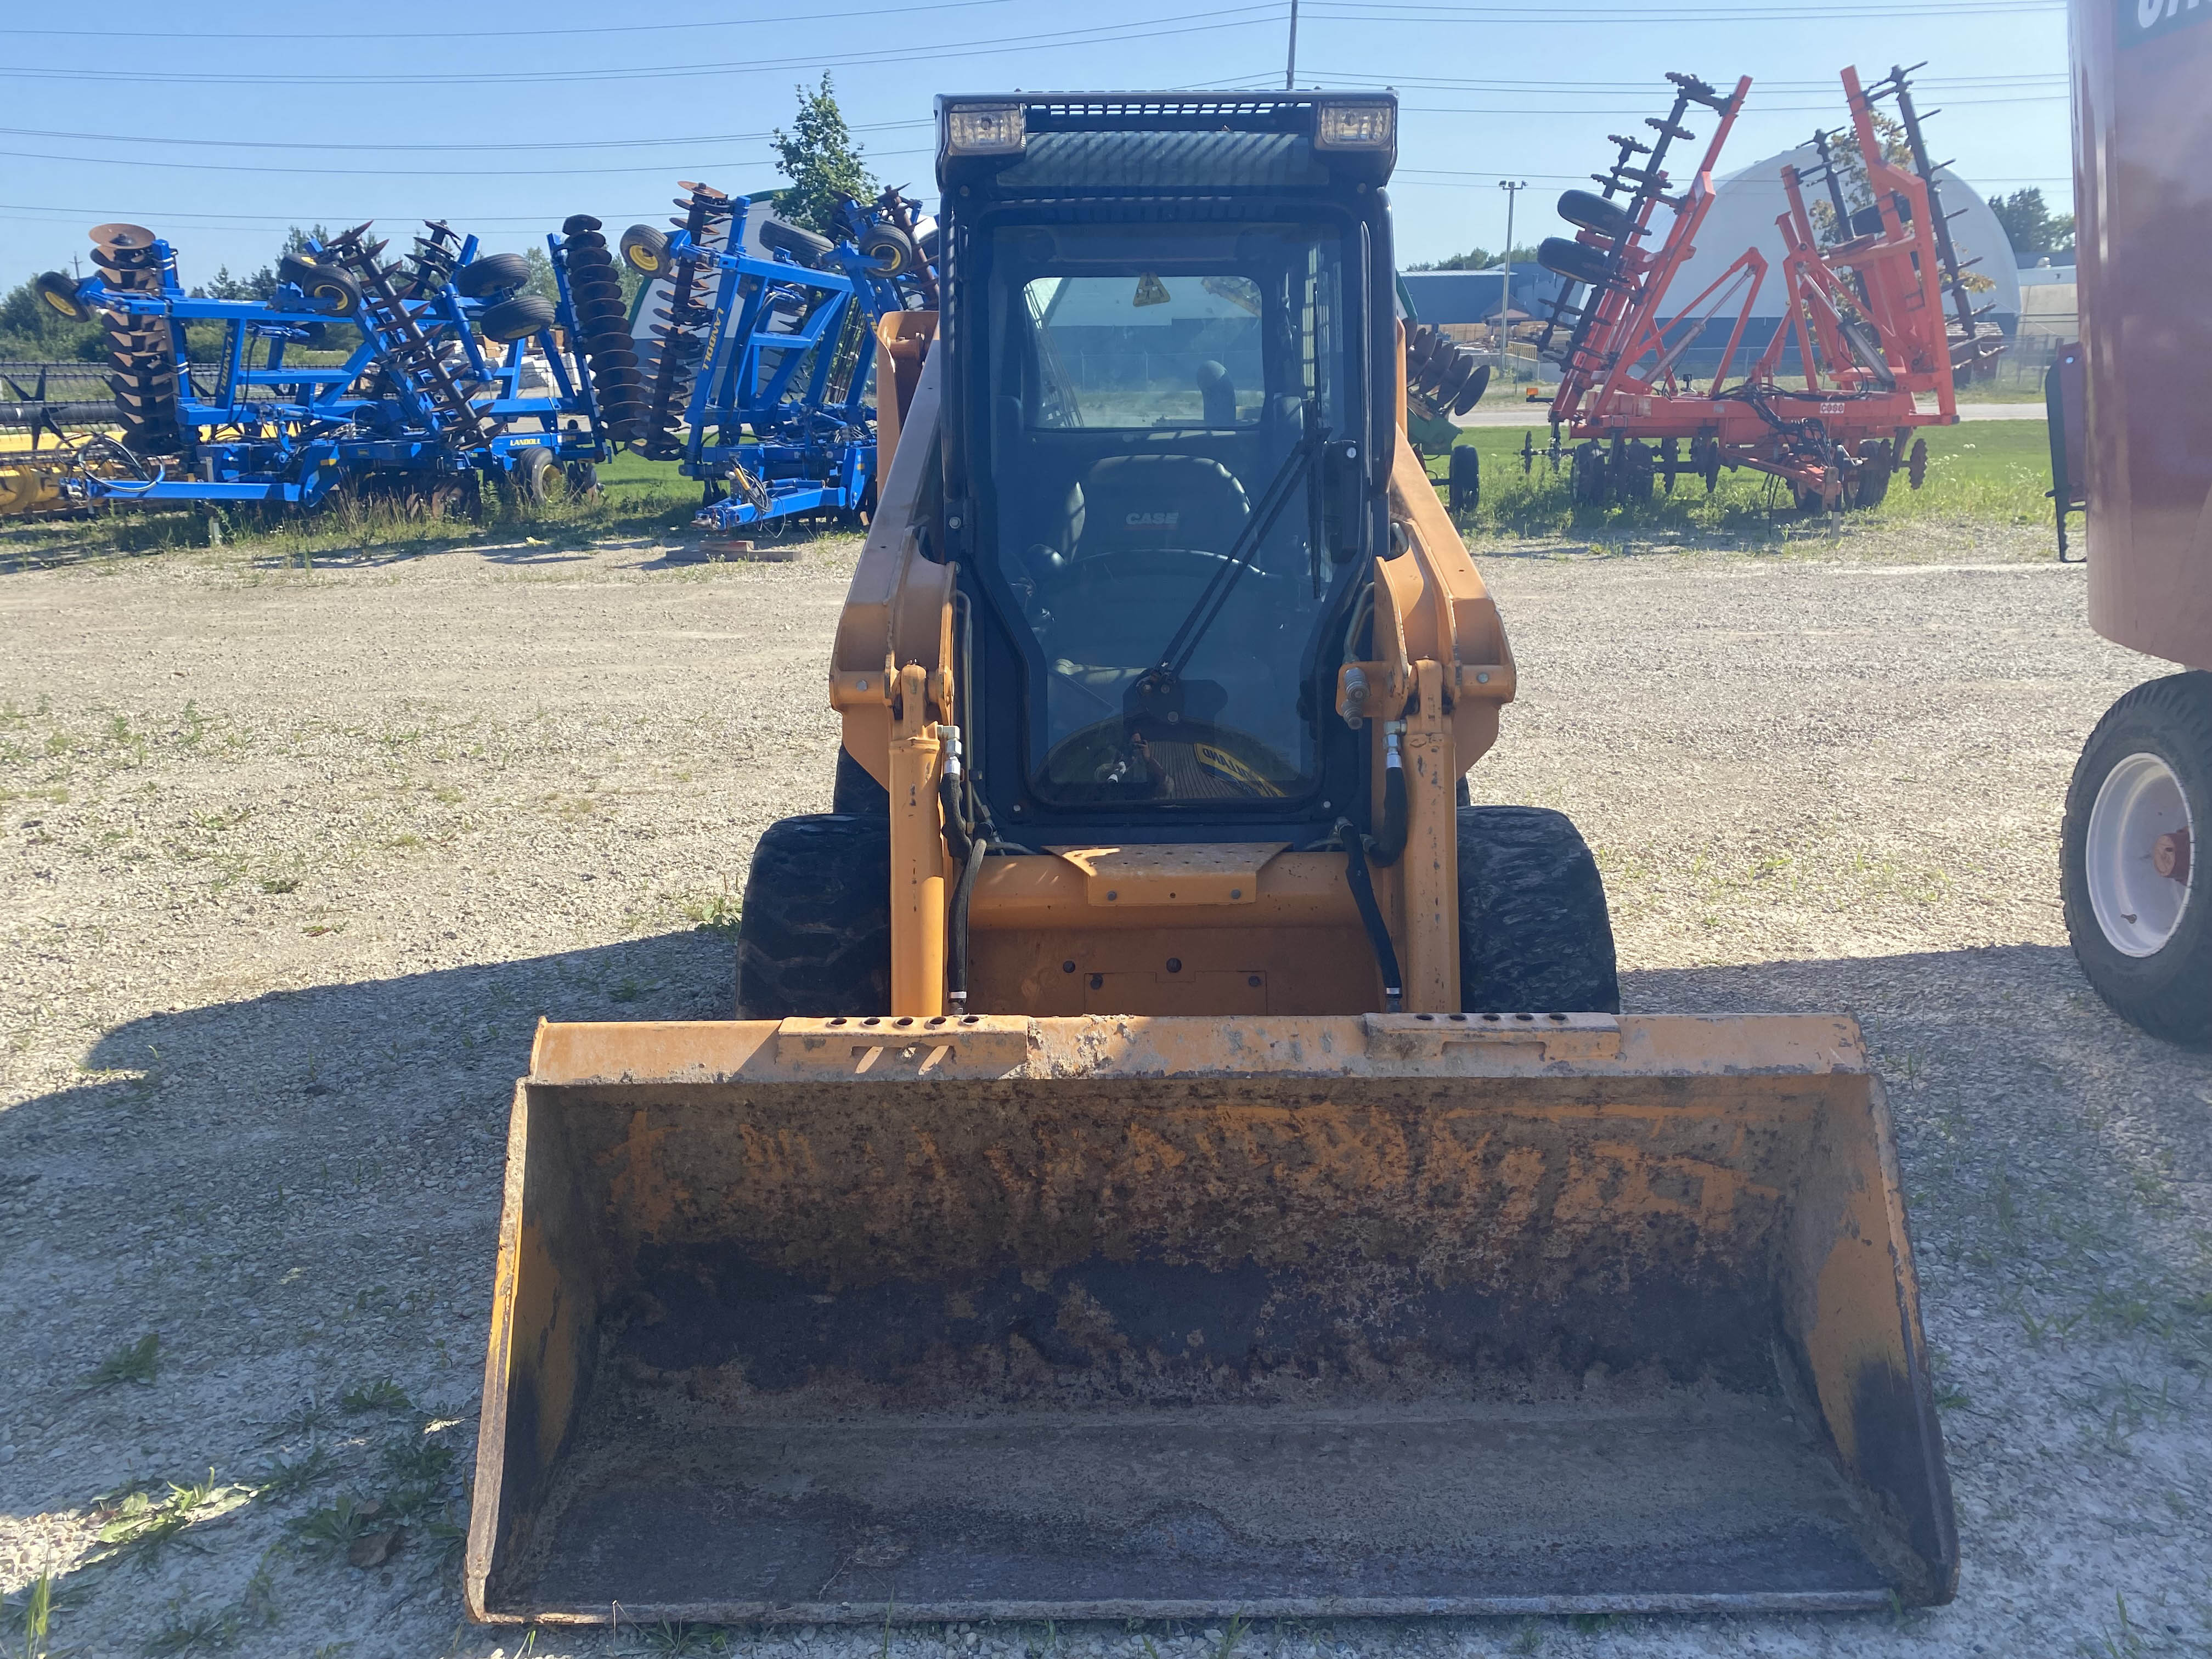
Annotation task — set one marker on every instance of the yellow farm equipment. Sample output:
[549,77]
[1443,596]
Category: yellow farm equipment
[1177,1155]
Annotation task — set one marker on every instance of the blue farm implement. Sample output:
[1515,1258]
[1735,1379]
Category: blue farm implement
[454,373]
[759,376]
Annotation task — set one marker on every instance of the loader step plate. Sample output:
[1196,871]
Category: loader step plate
[1694,1502]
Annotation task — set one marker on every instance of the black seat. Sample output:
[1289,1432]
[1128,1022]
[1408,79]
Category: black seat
[1151,503]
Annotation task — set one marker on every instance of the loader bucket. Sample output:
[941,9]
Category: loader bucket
[1108,1317]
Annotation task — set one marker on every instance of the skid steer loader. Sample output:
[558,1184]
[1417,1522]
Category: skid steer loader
[1175,1157]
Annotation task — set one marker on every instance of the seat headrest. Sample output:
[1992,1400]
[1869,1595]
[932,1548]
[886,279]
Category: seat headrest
[1162,501]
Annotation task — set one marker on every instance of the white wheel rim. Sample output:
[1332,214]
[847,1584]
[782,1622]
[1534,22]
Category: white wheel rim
[2137,907]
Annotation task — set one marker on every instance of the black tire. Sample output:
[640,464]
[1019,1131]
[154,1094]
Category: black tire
[1637,473]
[58,289]
[583,480]
[1578,262]
[328,289]
[1588,483]
[1464,474]
[493,273]
[534,474]
[889,250]
[856,794]
[814,938]
[516,319]
[2168,991]
[644,250]
[1593,212]
[1534,936]
[781,236]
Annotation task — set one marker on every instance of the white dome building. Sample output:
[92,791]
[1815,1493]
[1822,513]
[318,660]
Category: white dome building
[1746,205]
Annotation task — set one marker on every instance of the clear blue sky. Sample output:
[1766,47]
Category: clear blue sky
[505,120]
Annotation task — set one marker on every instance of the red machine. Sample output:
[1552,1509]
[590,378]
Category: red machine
[2132,440]
[1866,309]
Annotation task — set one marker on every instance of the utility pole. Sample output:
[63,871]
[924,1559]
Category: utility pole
[1290,70]
[1512,187]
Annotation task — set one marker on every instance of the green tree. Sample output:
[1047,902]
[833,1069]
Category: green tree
[1480,258]
[541,273]
[262,283]
[2030,226]
[821,159]
[33,331]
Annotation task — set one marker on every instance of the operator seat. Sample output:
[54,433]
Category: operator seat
[1145,503]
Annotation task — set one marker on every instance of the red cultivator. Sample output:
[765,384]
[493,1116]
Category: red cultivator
[1864,307]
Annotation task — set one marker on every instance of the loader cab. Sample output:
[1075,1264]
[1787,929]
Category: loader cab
[1166,447]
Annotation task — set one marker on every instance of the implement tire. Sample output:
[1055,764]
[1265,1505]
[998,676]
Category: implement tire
[2142,923]
[814,938]
[1534,936]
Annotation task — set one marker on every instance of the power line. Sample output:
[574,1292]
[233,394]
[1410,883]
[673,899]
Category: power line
[1104,34]
[581,143]
[662,168]
[506,31]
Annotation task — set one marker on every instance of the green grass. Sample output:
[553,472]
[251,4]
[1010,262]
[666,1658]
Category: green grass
[637,497]
[139,1363]
[1989,472]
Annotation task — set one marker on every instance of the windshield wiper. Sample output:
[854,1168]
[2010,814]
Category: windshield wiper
[1158,689]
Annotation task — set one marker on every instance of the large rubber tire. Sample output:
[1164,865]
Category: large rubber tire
[2167,992]
[814,938]
[1577,261]
[493,273]
[329,289]
[889,250]
[58,289]
[516,319]
[644,250]
[856,793]
[1534,936]
[1633,478]
[1593,212]
[535,475]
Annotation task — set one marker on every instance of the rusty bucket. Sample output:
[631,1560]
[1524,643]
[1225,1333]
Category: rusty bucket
[1112,1317]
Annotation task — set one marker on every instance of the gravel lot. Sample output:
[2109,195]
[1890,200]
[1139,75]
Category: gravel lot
[295,858]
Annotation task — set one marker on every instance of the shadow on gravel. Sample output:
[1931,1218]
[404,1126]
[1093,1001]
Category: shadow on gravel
[300,1188]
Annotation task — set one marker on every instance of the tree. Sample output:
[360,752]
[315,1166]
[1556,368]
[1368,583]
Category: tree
[821,159]
[2032,228]
[263,282]
[1481,258]
[32,331]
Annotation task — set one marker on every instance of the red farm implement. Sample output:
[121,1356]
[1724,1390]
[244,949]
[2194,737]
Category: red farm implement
[1865,276]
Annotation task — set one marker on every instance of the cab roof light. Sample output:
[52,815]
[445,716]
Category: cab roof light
[985,130]
[1361,124]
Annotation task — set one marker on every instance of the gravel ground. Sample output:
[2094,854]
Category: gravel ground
[295,858]
[1520,412]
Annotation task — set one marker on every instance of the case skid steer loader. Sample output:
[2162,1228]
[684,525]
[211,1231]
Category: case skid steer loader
[1176,1157]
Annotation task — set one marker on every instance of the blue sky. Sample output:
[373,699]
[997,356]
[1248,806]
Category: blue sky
[506,120]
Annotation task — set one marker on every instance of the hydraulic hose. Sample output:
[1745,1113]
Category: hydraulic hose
[1389,839]
[1371,915]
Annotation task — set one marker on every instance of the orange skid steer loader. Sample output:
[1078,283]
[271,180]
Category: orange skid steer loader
[1176,1157]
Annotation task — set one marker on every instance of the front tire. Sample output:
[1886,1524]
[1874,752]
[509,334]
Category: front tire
[814,938]
[1535,935]
[2141,927]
